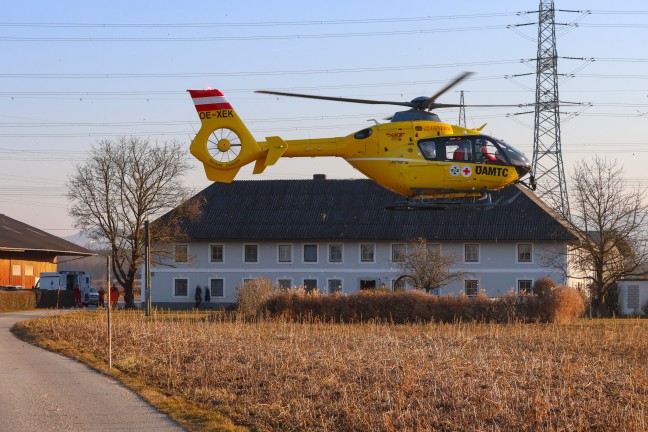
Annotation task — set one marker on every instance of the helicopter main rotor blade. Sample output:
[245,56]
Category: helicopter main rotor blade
[442,105]
[429,103]
[337,99]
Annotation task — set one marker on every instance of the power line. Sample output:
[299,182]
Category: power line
[221,24]
[254,73]
[247,38]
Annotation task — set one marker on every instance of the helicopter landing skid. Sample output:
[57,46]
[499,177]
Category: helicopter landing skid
[484,203]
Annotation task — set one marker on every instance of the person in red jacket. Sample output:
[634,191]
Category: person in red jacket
[114,296]
[77,296]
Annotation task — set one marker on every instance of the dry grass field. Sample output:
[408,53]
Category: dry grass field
[275,375]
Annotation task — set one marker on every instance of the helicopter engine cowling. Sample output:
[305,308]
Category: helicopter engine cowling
[223,144]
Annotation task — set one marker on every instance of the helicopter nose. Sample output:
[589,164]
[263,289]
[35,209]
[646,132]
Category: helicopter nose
[523,170]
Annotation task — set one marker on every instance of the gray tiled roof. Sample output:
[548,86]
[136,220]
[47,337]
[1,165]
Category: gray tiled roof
[355,210]
[18,236]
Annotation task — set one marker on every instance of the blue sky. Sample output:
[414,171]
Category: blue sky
[75,73]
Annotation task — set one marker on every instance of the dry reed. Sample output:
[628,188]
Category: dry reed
[281,375]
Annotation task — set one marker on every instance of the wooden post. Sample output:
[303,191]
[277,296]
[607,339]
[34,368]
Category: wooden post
[109,312]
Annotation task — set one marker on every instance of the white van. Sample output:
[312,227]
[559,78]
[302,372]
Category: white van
[67,280]
[49,281]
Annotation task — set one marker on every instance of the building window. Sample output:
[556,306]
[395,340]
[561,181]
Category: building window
[525,286]
[367,252]
[285,253]
[310,253]
[284,284]
[633,297]
[181,253]
[334,286]
[366,284]
[15,270]
[251,253]
[524,252]
[335,253]
[310,285]
[217,287]
[398,251]
[217,253]
[433,248]
[471,252]
[180,287]
[29,270]
[472,287]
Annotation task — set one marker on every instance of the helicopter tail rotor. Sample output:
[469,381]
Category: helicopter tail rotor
[223,144]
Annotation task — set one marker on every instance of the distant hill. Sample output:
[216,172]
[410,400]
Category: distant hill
[83,240]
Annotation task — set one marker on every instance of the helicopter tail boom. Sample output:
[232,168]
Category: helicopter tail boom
[223,144]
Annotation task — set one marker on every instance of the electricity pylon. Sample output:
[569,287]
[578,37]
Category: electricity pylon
[547,165]
[462,110]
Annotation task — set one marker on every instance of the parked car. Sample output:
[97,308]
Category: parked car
[11,288]
[91,298]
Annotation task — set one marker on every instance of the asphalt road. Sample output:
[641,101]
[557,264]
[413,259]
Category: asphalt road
[42,391]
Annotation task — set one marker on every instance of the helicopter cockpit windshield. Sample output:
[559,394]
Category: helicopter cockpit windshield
[475,149]
[516,157]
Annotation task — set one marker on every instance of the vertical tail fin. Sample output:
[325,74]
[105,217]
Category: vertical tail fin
[223,144]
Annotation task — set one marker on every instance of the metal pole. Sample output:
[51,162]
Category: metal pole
[108,308]
[147,267]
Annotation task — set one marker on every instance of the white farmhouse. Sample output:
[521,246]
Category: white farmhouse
[336,235]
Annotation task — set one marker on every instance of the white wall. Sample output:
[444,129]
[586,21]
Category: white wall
[497,270]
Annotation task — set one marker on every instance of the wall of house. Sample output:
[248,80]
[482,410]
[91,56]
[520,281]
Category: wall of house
[22,269]
[633,297]
[496,269]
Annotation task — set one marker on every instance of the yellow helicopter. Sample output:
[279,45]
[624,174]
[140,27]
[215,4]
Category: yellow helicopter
[431,163]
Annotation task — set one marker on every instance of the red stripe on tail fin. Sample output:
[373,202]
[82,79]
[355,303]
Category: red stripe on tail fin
[209,100]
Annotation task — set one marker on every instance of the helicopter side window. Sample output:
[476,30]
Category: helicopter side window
[364,133]
[458,149]
[428,149]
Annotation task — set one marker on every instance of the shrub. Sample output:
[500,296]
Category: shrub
[562,304]
[51,299]
[30,299]
[542,286]
[252,295]
[17,300]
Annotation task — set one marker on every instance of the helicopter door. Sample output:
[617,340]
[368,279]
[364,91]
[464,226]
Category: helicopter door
[458,156]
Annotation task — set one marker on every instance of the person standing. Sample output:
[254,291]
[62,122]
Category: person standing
[77,296]
[207,297]
[114,296]
[101,293]
[198,296]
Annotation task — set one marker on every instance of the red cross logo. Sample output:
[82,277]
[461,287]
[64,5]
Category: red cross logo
[466,171]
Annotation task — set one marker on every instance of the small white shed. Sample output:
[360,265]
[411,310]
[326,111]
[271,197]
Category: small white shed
[633,297]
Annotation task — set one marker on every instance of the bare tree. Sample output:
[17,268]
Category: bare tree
[610,218]
[118,187]
[426,267]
